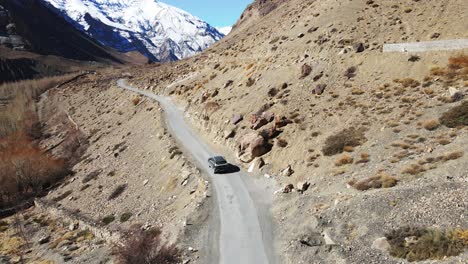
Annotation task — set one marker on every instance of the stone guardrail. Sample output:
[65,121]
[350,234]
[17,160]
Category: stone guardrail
[439,45]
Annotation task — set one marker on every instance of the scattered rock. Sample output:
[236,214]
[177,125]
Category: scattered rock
[288,188]
[381,244]
[319,89]
[228,83]
[455,94]
[44,239]
[359,47]
[303,186]
[145,182]
[312,240]
[251,146]
[288,171]
[435,35]
[257,164]
[305,70]
[327,238]
[191,249]
[268,116]
[73,226]
[259,123]
[281,121]
[229,133]
[236,119]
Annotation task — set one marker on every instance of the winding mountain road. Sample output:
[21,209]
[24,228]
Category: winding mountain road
[245,233]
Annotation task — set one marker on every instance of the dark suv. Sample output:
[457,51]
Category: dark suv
[218,164]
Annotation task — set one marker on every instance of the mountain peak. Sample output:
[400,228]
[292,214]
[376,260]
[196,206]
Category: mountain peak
[157,30]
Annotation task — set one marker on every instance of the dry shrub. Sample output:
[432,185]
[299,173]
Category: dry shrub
[432,124]
[281,143]
[343,160]
[456,117]
[409,82]
[25,170]
[414,169]
[380,181]
[364,158]
[418,244]
[136,100]
[453,155]
[357,91]
[349,137]
[348,148]
[145,247]
[18,102]
[117,191]
[458,62]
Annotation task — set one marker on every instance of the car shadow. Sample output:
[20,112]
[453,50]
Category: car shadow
[231,169]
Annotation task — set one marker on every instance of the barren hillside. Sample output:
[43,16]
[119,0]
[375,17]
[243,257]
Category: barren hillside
[362,127]
[368,150]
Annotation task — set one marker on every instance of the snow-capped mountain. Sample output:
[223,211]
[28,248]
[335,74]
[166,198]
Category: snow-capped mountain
[224,30]
[159,31]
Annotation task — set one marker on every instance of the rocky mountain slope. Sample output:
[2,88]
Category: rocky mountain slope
[157,30]
[360,141]
[45,44]
[367,149]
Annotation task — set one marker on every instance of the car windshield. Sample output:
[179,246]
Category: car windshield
[220,160]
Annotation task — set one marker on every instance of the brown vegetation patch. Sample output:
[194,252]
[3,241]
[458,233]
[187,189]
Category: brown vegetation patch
[456,117]
[349,137]
[26,170]
[380,181]
[145,247]
[418,244]
[343,160]
[432,124]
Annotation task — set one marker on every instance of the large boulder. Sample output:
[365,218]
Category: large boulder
[251,146]
[281,121]
[259,122]
[236,119]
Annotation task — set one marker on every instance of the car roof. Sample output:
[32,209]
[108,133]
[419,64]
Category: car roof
[219,158]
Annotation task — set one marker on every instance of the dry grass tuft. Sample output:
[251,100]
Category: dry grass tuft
[453,155]
[414,169]
[136,100]
[380,181]
[343,160]
[432,124]
[364,158]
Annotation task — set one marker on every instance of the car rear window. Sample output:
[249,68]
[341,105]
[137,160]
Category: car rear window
[220,160]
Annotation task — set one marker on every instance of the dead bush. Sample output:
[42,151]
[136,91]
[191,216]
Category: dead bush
[343,160]
[432,124]
[117,191]
[418,244]
[25,170]
[380,181]
[456,117]
[349,137]
[281,143]
[145,247]
[136,100]
[414,169]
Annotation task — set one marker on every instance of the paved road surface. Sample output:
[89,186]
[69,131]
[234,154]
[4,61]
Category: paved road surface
[245,229]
